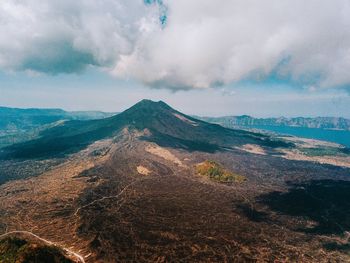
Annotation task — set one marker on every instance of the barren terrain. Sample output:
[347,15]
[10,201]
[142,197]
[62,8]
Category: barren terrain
[136,197]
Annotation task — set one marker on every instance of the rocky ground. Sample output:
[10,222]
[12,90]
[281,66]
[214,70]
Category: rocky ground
[128,189]
[131,200]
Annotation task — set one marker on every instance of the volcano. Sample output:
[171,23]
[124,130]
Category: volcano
[152,184]
[167,127]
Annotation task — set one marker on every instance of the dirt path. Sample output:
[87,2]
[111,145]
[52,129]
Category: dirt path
[44,204]
[48,242]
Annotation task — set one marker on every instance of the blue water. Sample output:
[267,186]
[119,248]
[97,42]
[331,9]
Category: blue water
[338,136]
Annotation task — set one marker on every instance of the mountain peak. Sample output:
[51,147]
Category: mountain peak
[146,103]
[148,107]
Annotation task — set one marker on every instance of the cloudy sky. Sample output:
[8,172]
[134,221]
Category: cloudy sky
[263,58]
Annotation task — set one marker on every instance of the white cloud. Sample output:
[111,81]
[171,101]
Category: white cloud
[204,43]
[66,36]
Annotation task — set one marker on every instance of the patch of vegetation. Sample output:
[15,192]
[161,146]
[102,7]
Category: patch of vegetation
[21,251]
[216,172]
[325,151]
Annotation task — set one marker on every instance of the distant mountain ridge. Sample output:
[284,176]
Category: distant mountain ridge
[17,125]
[14,120]
[306,122]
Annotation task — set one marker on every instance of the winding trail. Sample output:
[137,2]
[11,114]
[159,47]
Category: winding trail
[48,242]
[107,197]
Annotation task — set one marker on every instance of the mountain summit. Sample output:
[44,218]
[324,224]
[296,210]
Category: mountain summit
[158,116]
[150,104]
[165,126]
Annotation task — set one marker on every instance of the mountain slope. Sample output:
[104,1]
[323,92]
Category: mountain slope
[126,198]
[164,125]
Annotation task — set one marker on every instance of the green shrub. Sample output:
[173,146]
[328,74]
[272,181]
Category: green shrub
[216,172]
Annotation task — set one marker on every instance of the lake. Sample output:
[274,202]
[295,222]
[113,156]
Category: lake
[337,136]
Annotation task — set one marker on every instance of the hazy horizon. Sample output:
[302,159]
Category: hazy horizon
[199,115]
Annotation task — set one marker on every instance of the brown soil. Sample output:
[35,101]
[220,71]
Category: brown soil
[99,204]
